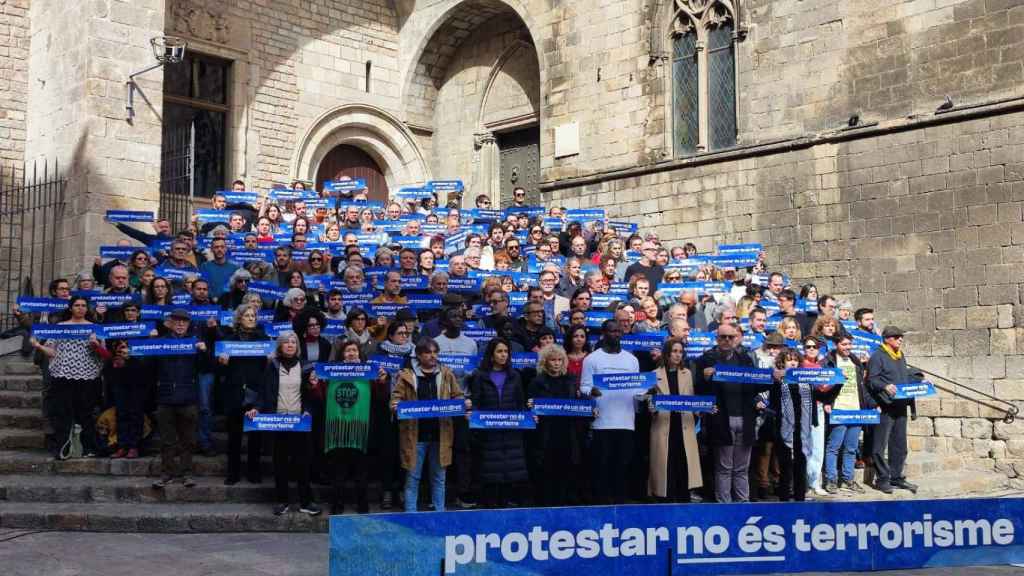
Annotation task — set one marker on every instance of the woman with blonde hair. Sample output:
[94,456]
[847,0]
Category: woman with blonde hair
[790,329]
[560,455]
[674,457]
[827,328]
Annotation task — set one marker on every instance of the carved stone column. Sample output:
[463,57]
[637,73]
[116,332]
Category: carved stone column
[487,169]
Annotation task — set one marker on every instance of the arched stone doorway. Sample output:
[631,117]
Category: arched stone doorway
[474,88]
[348,160]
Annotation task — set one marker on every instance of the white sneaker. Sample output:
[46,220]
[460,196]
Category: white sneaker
[819,491]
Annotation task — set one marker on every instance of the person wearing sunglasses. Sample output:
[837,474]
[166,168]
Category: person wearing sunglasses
[731,428]
[887,368]
[813,357]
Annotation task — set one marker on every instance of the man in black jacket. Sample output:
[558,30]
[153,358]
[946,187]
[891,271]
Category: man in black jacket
[887,368]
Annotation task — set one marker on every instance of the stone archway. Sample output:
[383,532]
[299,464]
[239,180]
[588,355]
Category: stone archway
[377,133]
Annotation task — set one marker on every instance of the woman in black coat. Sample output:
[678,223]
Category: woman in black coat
[314,348]
[558,436]
[243,379]
[499,455]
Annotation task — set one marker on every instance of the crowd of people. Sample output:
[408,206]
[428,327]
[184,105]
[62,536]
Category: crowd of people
[497,308]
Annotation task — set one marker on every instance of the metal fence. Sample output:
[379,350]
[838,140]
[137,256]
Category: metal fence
[176,182]
[31,213]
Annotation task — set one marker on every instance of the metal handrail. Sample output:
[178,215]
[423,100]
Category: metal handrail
[1011,409]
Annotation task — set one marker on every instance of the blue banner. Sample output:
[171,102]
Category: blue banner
[162,347]
[853,417]
[385,310]
[34,304]
[814,376]
[915,390]
[596,318]
[244,349]
[112,300]
[123,253]
[242,256]
[530,211]
[484,214]
[387,362]
[129,216]
[411,194]
[682,540]
[345,185]
[675,403]
[417,409]
[278,423]
[267,290]
[563,407]
[501,420]
[211,215]
[638,381]
[755,247]
[232,197]
[466,284]
[446,186]
[624,228]
[643,340]
[172,273]
[698,343]
[523,360]
[203,312]
[459,362]
[584,215]
[128,330]
[423,301]
[605,299]
[742,374]
[65,331]
[345,370]
[734,260]
[155,311]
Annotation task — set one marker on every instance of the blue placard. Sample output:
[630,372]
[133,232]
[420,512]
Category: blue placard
[755,247]
[624,228]
[480,335]
[752,340]
[65,331]
[182,299]
[384,310]
[484,214]
[914,390]
[275,329]
[413,242]
[412,194]
[119,252]
[112,300]
[345,185]
[129,216]
[464,284]
[446,186]
[278,423]
[734,260]
[34,304]
[529,211]
[742,374]
[233,197]
[172,273]
[641,381]
[699,342]
[563,407]
[871,341]
[853,417]
[643,340]
[243,256]
[814,376]
[605,299]
[162,347]
[673,539]
[212,215]
[419,409]
[244,348]
[459,362]
[523,360]
[677,403]
[127,330]
[596,318]
[345,370]
[584,215]
[502,420]
[387,362]
[423,301]
[267,290]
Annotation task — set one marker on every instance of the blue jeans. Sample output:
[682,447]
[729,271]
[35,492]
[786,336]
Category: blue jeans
[425,451]
[205,411]
[841,438]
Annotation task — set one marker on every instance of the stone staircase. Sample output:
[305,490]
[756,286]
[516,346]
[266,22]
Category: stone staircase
[99,494]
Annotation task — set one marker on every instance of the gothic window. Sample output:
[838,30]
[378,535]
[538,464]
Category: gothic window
[703,76]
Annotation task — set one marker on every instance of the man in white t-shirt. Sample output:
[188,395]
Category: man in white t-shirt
[613,427]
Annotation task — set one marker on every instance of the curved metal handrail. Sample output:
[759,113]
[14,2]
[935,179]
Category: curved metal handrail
[1011,409]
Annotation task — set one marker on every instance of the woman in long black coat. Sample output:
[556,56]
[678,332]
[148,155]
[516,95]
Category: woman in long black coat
[499,455]
[244,381]
[558,436]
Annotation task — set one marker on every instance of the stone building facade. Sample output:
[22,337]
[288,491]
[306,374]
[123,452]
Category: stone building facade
[875,147]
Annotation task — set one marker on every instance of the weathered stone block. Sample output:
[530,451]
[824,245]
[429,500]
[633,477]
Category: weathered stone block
[976,428]
[948,427]
[1003,431]
[982,317]
[921,427]
[950,319]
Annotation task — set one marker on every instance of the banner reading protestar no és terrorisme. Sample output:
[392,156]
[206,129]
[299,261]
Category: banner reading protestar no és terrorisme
[669,539]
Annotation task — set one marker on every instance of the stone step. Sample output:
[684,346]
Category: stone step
[22,418]
[156,518]
[20,399]
[39,462]
[21,383]
[21,439]
[18,366]
[85,489]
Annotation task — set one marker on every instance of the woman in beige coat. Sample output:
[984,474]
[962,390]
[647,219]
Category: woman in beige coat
[675,460]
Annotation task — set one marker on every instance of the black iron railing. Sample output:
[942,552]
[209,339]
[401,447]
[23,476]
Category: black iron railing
[1009,409]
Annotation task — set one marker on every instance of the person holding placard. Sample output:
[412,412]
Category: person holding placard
[794,404]
[75,368]
[813,357]
[285,389]
[887,368]
[244,379]
[843,439]
[674,457]
[613,428]
[177,399]
[499,456]
[558,437]
[428,441]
